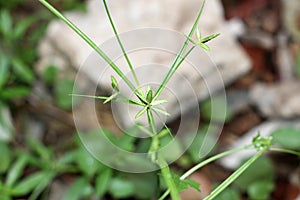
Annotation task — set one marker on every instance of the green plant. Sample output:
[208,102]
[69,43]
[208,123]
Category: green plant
[14,185]
[147,101]
[10,4]
[16,74]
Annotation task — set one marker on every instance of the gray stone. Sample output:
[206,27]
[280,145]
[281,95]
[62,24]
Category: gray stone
[229,61]
[291,10]
[279,100]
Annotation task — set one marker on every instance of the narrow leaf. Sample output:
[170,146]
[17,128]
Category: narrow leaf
[204,46]
[208,38]
[15,93]
[198,34]
[161,111]
[4,69]
[22,70]
[111,98]
[40,149]
[102,182]
[5,23]
[141,112]
[22,26]
[42,186]
[89,96]
[29,183]
[130,101]
[158,102]
[86,162]
[149,96]
[193,184]
[16,171]
[114,83]
[5,157]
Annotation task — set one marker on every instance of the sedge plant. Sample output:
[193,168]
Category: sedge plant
[149,99]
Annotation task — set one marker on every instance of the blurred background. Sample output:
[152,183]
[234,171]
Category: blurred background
[41,156]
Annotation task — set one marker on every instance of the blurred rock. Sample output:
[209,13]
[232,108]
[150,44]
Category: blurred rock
[291,16]
[236,27]
[284,59]
[279,100]
[259,38]
[34,128]
[57,190]
[231,62]
[238,100]
[265,129]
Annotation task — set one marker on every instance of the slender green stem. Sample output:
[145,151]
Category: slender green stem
[205,162]
[151,121]
[171,73]
[166,173]
[213,158]
[235,175]
[175,63]
[92,44]
[120,44]
[165,170]
[285,151]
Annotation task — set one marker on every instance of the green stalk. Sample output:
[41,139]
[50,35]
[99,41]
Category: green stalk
[205,162]
[171,73]
[120,44]
[167,175]
[235,175]
[285,151]
[91,43]
[165,170]
[175,63]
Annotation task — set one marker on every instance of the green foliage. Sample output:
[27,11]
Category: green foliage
[5,157]
[121,188]
[144,184]
[86,163]
[78,190]
[287,137]
[114,83]
[62,91]
[50,74]
[29,183]
[197,143]
[185,184]
[95,179]
[227,194]
[252,174]
[10,4]
[171,148]
[6,127]
[15,59]
[215,109]
[201,41]
[102,182]
[260,190]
